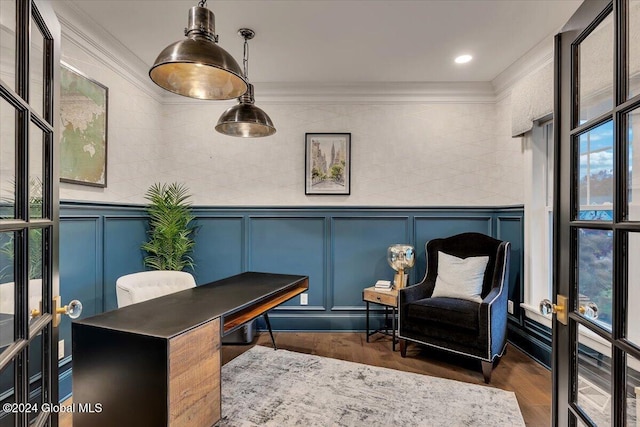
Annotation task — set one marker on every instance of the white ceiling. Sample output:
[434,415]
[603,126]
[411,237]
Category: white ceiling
[333,41]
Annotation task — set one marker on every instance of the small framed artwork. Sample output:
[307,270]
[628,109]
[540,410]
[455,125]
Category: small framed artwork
[327,164]
[83,142]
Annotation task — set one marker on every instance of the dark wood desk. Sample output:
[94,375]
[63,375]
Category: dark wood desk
[157,363]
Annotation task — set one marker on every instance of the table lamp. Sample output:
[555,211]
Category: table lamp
[400,257]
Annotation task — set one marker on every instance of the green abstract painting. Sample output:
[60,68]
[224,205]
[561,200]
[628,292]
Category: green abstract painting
[83,115]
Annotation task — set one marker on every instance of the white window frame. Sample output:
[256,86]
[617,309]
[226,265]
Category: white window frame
[539,161]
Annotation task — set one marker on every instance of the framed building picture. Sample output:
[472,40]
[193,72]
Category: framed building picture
[327,167]
[83,115]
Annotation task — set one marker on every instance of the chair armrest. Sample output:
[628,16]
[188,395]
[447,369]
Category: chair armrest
[414,293]
[493,309]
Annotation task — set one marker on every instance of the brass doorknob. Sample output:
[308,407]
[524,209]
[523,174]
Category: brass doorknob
[590,310]
[547,307]
[73,310]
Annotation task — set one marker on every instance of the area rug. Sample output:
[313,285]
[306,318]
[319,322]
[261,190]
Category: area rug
[265,387]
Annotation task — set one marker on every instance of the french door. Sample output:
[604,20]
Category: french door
[596,333]
[29,43]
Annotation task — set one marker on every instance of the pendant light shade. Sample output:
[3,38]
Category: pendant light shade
[196,66]
[245,119]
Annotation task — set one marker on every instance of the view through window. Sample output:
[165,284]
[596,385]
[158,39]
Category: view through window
[595,247]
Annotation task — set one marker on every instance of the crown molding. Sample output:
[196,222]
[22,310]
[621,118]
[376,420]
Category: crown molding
[365,93]
[89,35]
[84,32]
[536,58]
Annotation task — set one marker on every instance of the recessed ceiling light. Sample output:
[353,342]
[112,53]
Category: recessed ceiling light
[463,59]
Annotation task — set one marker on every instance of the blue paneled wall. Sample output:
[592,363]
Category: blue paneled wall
[342,250]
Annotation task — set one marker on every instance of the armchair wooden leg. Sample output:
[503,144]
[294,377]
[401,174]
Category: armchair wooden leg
[487,367]
[403,348]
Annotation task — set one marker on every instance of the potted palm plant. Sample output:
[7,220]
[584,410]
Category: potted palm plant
[170,228]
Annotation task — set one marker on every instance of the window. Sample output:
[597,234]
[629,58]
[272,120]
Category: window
[539,218]
[596,173]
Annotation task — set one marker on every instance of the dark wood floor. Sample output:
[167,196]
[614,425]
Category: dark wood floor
[516,372]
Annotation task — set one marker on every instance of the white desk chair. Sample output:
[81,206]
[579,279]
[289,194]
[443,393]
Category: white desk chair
[138,287]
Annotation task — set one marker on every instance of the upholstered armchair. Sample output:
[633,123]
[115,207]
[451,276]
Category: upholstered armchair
[138,287]
[443,311]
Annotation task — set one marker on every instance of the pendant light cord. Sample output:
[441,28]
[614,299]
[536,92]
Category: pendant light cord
[202,3]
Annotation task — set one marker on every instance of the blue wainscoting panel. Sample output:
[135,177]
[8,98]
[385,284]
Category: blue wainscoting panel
[219,248]
[445,224]
[291,245]
[80,269]
[511,229]
[359,255]
[122,239]
[342,250]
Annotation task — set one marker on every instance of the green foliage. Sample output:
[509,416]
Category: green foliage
[170,230]
[35,234]
[337,172]
[595,272]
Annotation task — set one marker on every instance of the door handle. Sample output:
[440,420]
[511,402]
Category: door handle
[547,307]
[590,310]
[73,310]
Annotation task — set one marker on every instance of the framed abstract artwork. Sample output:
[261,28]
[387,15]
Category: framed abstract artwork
[83,115]
[327,167]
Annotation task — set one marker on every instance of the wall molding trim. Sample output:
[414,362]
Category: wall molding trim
[81,30]
[536,58]
[363,93]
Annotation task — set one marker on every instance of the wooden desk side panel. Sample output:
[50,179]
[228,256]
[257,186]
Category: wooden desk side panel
[194,377]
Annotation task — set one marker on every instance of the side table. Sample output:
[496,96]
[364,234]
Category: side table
[388,299]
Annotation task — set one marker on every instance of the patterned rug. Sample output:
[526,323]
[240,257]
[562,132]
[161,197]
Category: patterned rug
[264,387]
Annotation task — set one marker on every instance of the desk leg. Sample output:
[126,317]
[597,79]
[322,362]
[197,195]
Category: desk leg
[367,321]
[266,318]
[386,319]
[393,326]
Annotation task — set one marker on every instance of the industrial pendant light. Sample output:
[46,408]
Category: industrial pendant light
[196,66]
[245,119]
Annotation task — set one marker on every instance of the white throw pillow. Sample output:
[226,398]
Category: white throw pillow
[460,277]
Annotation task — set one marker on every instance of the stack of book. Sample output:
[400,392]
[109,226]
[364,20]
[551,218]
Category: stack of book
[383,285]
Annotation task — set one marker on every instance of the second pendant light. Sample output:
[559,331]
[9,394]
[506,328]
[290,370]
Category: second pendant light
[245,119]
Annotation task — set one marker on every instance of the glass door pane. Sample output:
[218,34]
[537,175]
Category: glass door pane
[7,159]
[7,418]
[36,67]
[8,43]
[594,377]
[634,48]
[595,174]
[595,272]
[633,391]
[633,288]
[36,171]
[7,290]
[633,155]
[35,375]
[595,72]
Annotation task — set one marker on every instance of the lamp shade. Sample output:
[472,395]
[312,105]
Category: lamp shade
[245,119]
[400,256]
[196,66]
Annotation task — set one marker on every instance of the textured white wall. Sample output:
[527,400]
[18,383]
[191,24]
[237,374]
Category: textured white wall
[438,154]
[453,151]
[134,138]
